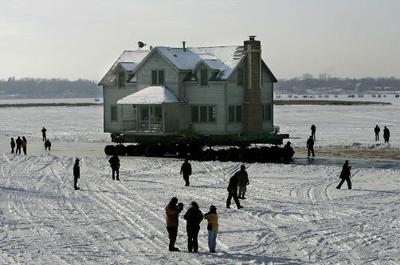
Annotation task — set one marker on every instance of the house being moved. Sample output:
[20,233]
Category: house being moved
[219,92]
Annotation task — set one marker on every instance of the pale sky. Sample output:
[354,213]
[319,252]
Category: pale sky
[82,38]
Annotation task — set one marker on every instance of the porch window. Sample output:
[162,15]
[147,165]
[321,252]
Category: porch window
[195,114]
[157,77]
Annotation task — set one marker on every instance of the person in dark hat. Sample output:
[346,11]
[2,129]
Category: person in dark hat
[193,218]
[12,144]
[77,173]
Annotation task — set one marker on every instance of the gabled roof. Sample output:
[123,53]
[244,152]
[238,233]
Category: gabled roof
[128,60]
[149,95]
[224,59]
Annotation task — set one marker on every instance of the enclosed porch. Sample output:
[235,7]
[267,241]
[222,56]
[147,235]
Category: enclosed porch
[150,110]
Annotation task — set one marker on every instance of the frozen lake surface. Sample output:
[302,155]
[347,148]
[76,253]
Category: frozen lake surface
[293,214]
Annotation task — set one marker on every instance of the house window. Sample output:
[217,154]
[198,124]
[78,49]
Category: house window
[240,77]
[157,77]
[267,112]
[121,79]
[235,113]
[204,114]
[204,77]
[114,116]
[195,114]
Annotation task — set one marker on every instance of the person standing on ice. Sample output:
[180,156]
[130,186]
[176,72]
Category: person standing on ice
[114,164]
[386,134]
[243,181]
[193,218]
[47,145]
[212,227]
[44,134]
[232,192]
[172,211]
[345,175]
[377,130]
[313,129]
[19,145]
[288,152]
[77,174]
[24,144]
[12,144]
[310,146]
[186,171]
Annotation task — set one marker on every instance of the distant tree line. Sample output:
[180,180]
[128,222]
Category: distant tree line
[334,85]
[48,88]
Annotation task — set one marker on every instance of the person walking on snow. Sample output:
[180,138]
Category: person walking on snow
[186,171]
[24,144]
[310,146]
[386,134]
[243,181]
[172,211]
[345,175]
[313,129]
[47,145]
[77,174]
[212,227]
[18,142]
[377,130]
[12,144]
[44,134]
[232,190]
[114,164]
[193,218]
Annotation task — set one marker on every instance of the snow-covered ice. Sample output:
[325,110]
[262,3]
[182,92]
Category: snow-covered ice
[293,214]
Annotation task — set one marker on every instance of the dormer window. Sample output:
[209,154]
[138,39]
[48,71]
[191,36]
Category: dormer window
[157,77]
[121,79]
[204,77]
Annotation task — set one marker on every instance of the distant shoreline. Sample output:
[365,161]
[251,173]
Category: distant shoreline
[82,104]
[327,102]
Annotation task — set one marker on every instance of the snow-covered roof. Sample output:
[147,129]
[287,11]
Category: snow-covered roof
[149,95]
[221,58]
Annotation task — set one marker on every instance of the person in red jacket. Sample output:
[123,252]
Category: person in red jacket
[172,211]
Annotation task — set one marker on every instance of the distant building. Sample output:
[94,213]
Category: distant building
[223,90]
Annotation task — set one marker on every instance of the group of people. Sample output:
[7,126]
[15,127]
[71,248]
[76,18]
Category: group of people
[386,133]
[193,218]
[18,144]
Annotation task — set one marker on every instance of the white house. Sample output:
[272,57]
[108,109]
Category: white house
[223,90]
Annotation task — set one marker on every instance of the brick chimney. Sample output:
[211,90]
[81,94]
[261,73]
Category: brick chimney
[252,109]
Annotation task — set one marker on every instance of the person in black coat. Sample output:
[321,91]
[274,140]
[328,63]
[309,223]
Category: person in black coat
[193,219]
[313,129]
[12,144]
[24,144]
[310,146]
[47,145]
[186,171]
[287,152]
[114,164]
[232,190]
[377,130]
[18,142]
[77,174]
[44,134]
[345,175]
[386,134]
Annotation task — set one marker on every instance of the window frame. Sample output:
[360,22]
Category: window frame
[204,78]
[121,79]
[203,114]
[235,113]
[114,113]
[157,79]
